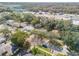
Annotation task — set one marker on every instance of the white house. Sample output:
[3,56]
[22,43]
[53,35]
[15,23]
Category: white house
[23,24]
[6,49]
[2,26]
[2,38]
[13,23]
[75,22]
[10,22]
[27,28]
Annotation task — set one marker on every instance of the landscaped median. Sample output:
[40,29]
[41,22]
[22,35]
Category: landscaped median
[40,50]
[37,50]
[45,50]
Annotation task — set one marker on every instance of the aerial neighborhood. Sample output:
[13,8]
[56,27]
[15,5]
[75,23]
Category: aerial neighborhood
[35,31]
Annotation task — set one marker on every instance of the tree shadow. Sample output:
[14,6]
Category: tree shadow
[18,51]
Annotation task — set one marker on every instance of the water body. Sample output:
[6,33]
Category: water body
[18,8]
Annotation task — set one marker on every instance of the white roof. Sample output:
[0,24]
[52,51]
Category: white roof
[6,47]
[2,38]
[10,21]
[2,26]
[75,22]
[23,24]
[29,27]
[13,23]
[26,28]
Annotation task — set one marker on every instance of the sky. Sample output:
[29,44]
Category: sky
[39,0]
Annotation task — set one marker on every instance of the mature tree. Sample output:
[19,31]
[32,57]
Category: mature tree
[39,34]
[35,22]
[29,17]
[34,51]
[50,25]
[19,38]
